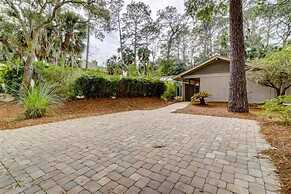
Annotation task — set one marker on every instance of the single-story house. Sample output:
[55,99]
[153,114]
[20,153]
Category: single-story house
[213,77]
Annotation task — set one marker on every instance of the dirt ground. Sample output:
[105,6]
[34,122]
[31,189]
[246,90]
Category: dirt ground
[11,114]
[277,134]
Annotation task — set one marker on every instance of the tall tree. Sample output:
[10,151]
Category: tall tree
[210,20]
[173,24]
[116,8]
[32,17]
[238,100]
[136,18]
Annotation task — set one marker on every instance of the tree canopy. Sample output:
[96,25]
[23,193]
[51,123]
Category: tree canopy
[29,19]
[274,70]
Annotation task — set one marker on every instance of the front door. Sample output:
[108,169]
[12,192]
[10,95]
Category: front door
[190,90]
[192,86]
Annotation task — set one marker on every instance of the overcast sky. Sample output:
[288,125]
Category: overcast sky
[100,51]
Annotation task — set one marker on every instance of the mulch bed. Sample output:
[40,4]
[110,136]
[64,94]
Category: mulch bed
[277,134]
[11,114]
[219,110]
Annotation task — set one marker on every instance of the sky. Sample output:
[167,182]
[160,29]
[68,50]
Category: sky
[101,51]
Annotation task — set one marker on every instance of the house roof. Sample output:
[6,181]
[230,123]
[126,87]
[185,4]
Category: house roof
[204,64]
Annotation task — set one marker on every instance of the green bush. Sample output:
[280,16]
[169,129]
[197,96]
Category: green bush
[13,78]
[62,77]
[170,92]
[93,86]
[3,70]
[37,99]
[99,87]
[132,71]
[277,108]
[200,97]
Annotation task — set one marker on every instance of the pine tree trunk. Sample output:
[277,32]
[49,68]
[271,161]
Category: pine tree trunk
[238,100]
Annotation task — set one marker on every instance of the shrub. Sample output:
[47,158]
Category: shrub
[277,108]
[92,86]
[170,92]
[37,99]
[132,71]
[12,79]
[62,77]
[3,70]
[200,97]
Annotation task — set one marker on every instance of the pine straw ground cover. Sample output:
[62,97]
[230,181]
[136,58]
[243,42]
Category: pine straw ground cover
[12,116]
[276,133]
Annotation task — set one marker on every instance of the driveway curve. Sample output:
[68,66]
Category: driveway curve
[149,151]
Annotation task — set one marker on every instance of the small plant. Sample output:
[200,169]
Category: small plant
[278,108]
[200,97]
[170,92]
[36,100]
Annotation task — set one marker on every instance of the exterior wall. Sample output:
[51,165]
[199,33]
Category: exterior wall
[258,93]
[214,79]
[214,68]
[217,85]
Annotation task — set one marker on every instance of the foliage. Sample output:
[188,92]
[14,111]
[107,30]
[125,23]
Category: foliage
[12,78]
[128,56]
[37,99]
[144,59]
[204,10]
[277,18]
[27,25]
[132,71]
[170,92]
[274,70]
[63,42]
[114,66]
[170,67]
[200,97]
[135,20]
[277,107]
[3,70]
[92,86]
[61,77]
[173,25]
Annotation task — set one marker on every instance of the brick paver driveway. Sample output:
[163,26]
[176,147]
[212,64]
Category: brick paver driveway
[140,151]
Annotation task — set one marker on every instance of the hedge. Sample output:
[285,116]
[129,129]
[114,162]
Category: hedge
[92,86]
